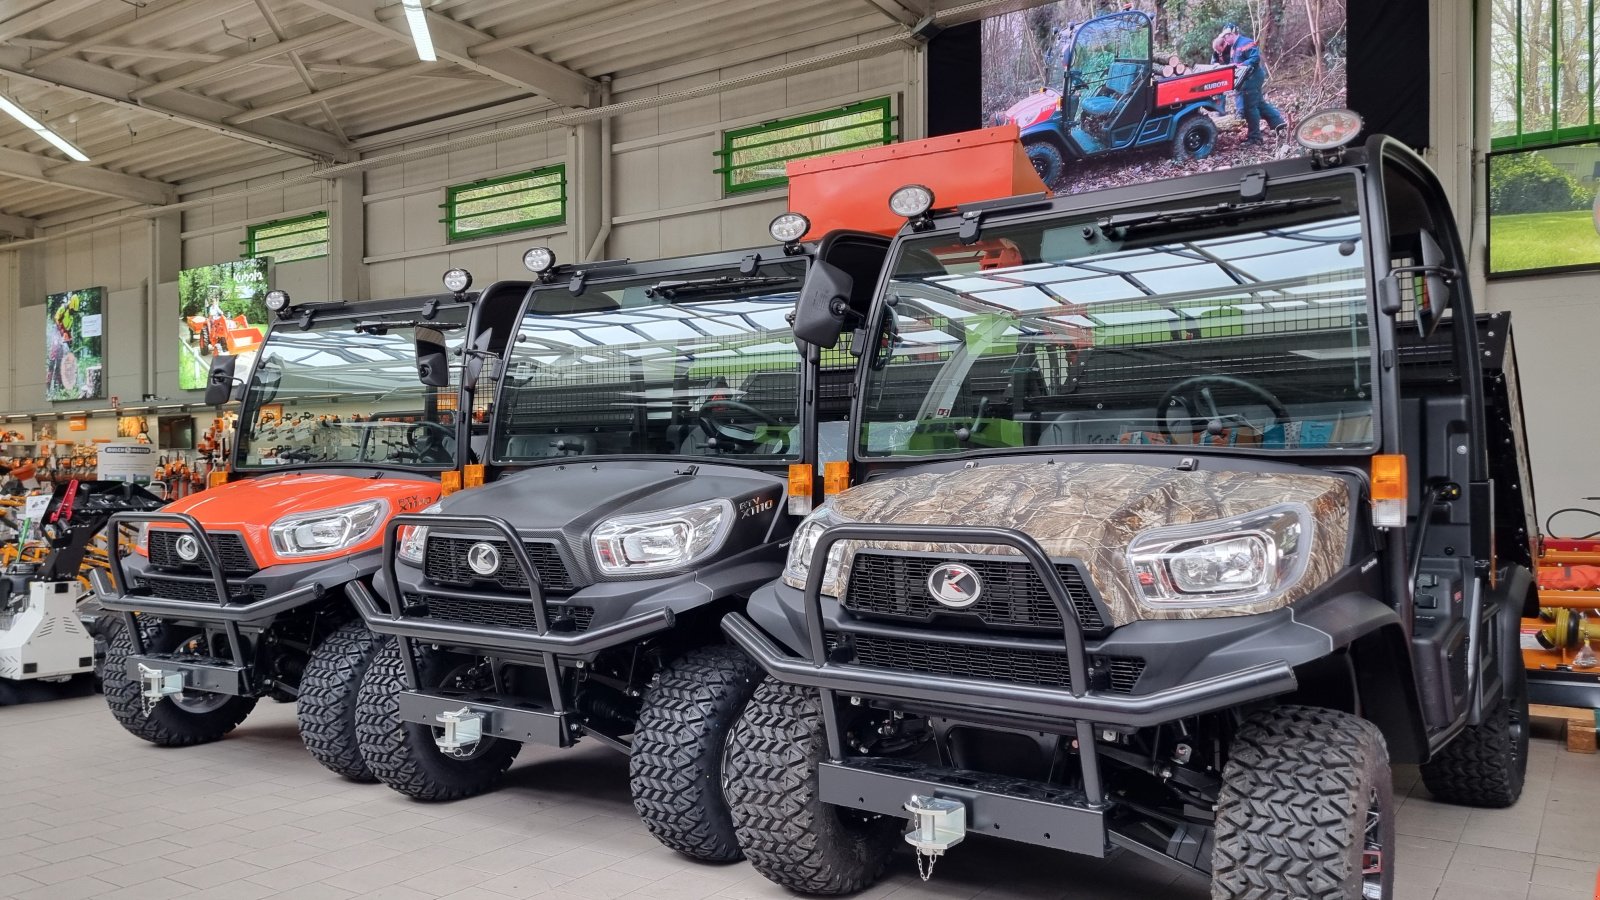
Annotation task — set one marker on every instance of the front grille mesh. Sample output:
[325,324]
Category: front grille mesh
[497,614]
[446,563]
[1006,664]
[1013,595]
[1125,672]
[230,549]
[197,591]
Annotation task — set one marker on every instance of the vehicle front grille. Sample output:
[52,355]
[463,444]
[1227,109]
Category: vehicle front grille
[896,586]
[197,591]
[498,614]
[445,562]
[1006,664]
[230,549]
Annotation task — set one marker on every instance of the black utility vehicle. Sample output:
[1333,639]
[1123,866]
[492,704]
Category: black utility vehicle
[351,414]
[1168,535]
[642,439]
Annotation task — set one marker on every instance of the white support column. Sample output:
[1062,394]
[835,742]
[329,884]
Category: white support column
[347,239]
[166,258]
[583,185]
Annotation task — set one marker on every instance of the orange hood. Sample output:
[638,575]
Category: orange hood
[251,506]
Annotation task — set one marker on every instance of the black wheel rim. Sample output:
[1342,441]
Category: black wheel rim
[1373,861]
[1041,168]
[1195,140]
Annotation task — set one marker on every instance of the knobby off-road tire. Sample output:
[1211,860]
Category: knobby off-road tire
[327,705]
[1485,764]
[403,754]
[167,723]
[675,770]
[787,833]
[1293,816]
[1047,161]
[1196,139]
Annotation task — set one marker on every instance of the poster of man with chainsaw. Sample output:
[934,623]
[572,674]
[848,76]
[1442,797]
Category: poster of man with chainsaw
[1115,93]
[74,345]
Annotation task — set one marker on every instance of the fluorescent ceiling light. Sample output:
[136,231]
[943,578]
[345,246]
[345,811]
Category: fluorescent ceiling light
[418,20]
[34,125]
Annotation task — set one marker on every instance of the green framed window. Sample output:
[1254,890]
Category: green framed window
[507,203]
[1542,72]
[288,240]
[753,158]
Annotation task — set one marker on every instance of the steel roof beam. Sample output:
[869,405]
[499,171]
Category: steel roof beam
[80,177]
[153,12]
[233,64]
[906,12]
[40,16]
[17,226]
[455,42]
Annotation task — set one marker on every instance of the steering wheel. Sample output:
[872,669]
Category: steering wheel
[429,441]
[736,437]
[1199,387]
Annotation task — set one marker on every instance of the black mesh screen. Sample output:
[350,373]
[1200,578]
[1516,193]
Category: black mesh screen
[230,549]
[896,586]
[445,562]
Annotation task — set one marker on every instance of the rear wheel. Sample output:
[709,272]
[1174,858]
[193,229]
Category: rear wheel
[675,769]
[1306,810]
[787,832]
[180,720]
[1047,161]
[403,755]
[327,704]
[1196,138]
[1485,764]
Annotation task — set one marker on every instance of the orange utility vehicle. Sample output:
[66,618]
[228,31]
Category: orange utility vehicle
[236,593]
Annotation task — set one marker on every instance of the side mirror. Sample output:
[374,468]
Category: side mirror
[433,359]
[219,381]
[824,305]
[476,357]
[1435,295]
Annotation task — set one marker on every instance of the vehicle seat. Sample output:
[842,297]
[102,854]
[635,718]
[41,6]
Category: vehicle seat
[1119,83]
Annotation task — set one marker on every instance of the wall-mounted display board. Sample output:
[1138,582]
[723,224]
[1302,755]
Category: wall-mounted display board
[1544,215]
[222,312]
[75,344]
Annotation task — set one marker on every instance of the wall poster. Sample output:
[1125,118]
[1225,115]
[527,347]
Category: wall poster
[75,345]
[222,312]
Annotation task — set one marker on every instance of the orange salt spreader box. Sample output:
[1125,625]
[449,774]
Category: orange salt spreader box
[851,190]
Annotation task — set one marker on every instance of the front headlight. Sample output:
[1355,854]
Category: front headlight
[414,539]
[1249,559]
[327,530]
[627,545]
[803,546]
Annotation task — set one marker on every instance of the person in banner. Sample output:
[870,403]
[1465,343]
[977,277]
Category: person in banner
[1235,48]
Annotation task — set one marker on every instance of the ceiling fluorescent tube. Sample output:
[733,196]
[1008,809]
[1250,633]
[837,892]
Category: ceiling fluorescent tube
[418,20]
[34,125]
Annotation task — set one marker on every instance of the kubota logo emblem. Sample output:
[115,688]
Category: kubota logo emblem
[483,558]
[955,585]
[188,548]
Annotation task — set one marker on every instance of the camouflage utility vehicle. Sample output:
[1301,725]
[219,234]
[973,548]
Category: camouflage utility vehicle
[1180,511]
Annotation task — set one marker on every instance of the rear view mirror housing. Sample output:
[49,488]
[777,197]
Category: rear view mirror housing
[823,309]
[433,358]
[220,379]
[1436,277]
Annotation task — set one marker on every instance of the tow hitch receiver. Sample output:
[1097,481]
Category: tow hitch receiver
[156,684]
[937,825]
[463,729]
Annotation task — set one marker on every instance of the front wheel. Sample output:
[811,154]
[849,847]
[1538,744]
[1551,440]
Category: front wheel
[179,720]
[403,755]
[787,832]
[326,708]
[1196,138]
[1306,810]
[675,769]
[1047,161]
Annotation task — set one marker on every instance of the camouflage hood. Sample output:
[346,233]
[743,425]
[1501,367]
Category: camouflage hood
[1091,511]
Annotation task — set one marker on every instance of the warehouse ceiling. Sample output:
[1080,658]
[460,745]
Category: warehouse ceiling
[159,93]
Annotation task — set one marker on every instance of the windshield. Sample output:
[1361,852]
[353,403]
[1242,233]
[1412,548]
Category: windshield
[1221,327]
[697,364]
[333,394]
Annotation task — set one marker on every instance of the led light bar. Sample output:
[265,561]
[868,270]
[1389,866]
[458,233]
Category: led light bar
[34,125]
[418,20]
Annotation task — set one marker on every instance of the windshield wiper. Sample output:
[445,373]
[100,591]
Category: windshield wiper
[1195,216]
[383,327]
[672,290]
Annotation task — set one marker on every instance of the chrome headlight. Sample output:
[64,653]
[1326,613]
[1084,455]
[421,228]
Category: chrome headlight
[1244,560]
[803,547]
[327,530]
[626,545]
[413,539]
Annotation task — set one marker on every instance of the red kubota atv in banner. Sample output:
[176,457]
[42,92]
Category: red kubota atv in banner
[352,414]
[1114,101]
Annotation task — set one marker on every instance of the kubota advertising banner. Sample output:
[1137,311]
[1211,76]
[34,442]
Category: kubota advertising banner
[222,312]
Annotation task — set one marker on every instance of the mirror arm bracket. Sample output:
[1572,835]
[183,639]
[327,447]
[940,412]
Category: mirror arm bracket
[1448,274]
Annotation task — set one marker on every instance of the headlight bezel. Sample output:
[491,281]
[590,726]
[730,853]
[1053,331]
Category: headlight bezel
[706,526]
[1283,534]
[411,543]
[362,520]
[802,549]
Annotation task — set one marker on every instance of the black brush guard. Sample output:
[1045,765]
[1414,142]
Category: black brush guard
[1025,811]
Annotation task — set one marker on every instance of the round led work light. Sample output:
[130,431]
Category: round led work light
[789,227]
[277,301]
[539,260]
[911,201]
[1328,130]
[457,280]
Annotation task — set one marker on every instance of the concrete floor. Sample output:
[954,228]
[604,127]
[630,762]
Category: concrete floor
[88,811]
